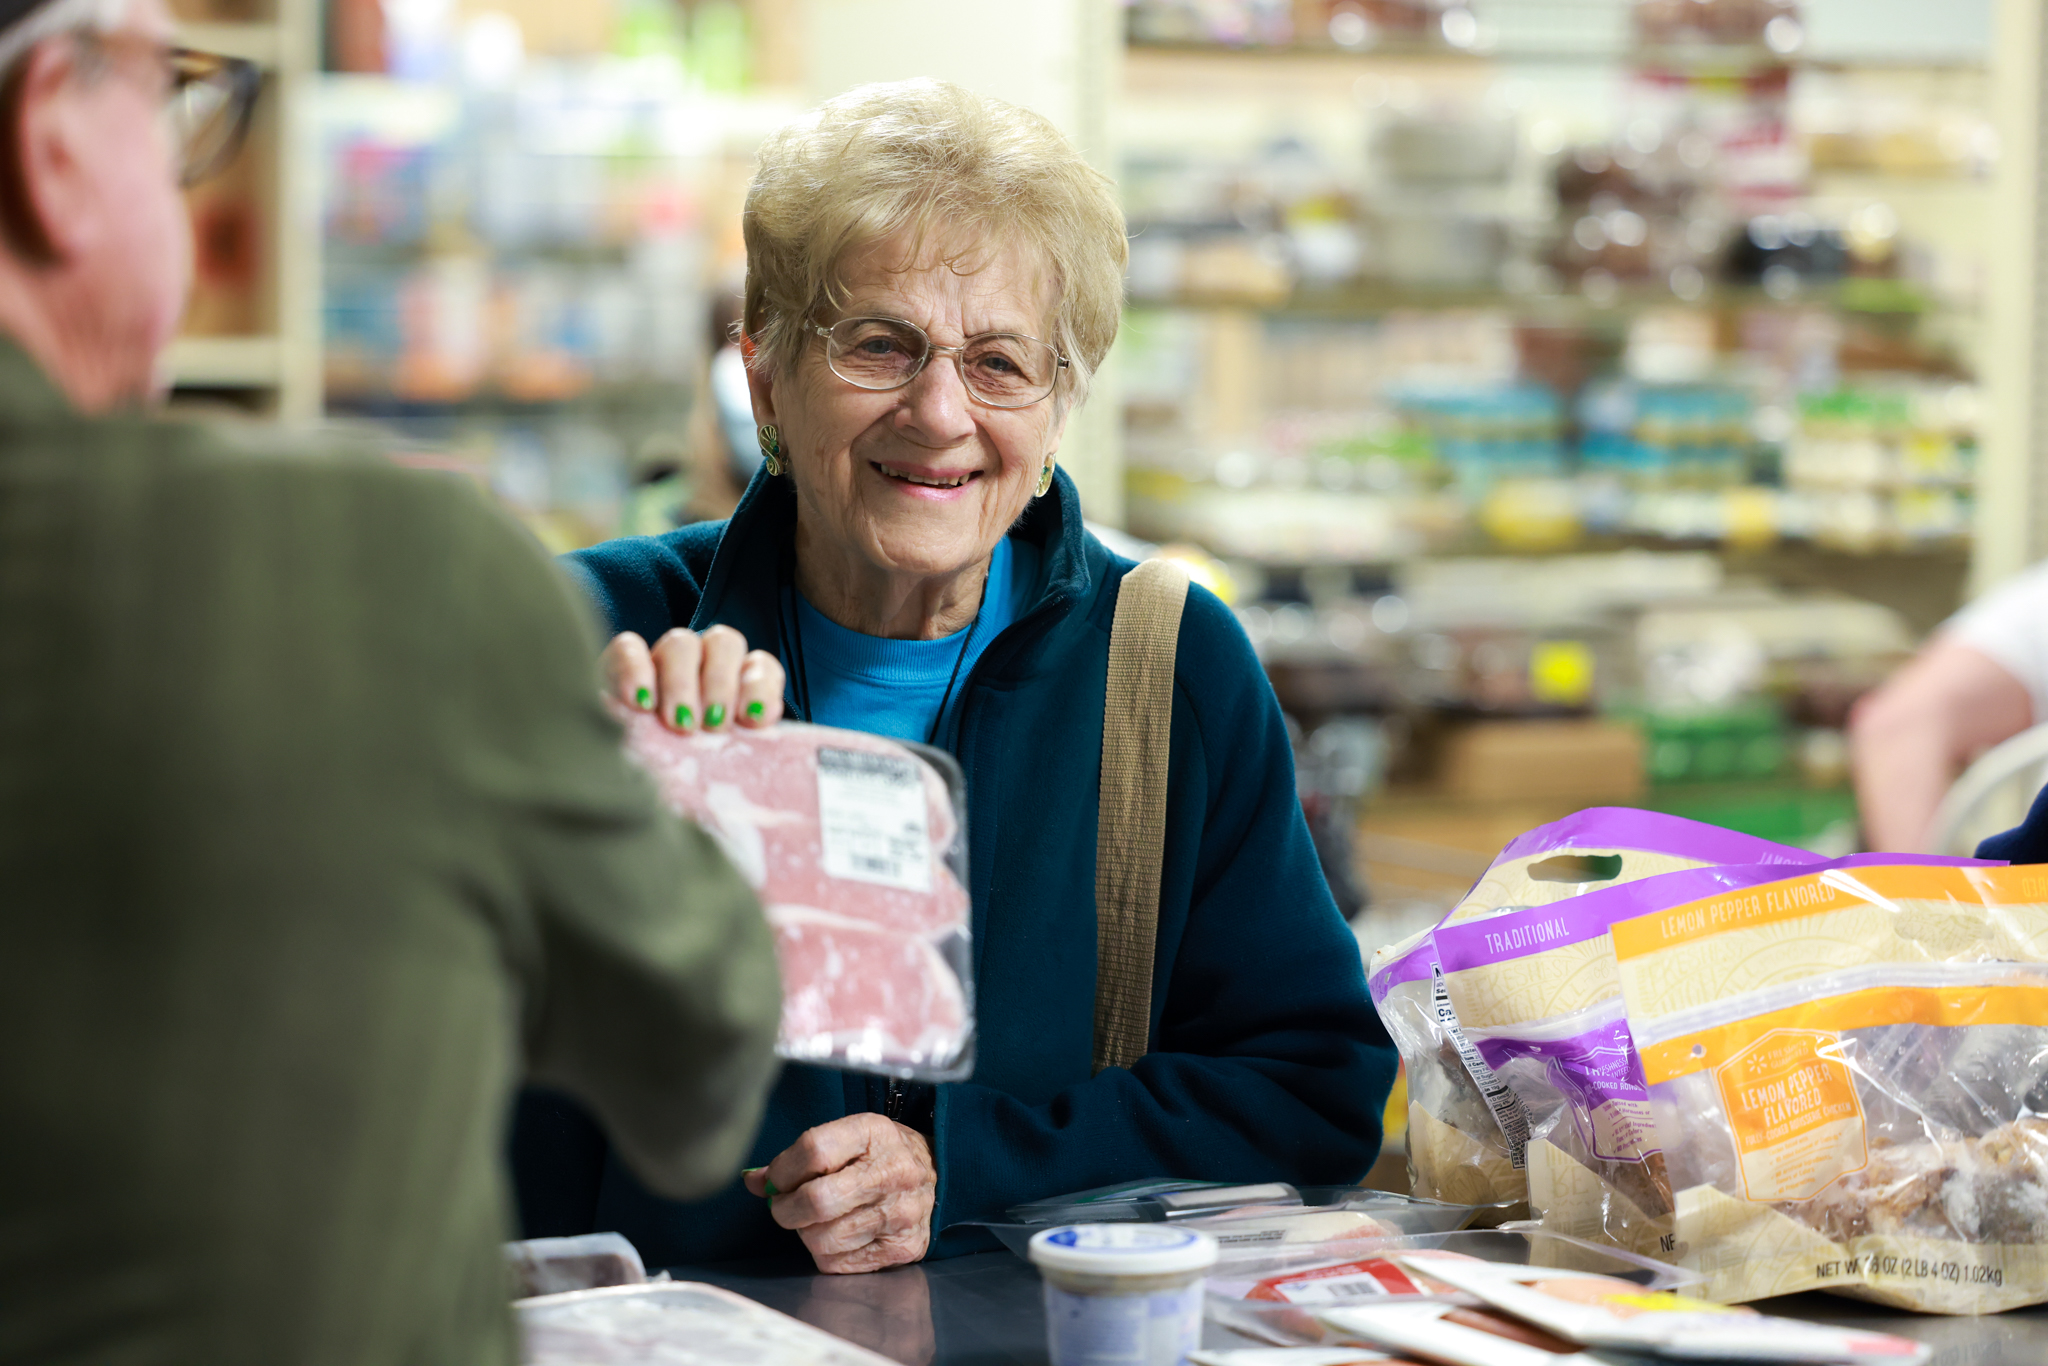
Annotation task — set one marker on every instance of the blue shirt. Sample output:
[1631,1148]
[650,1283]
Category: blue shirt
[896,687]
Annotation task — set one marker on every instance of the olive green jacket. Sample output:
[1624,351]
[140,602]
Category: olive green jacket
[314,837]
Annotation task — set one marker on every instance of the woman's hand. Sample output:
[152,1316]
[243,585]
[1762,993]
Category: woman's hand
[692,681]
[858,1191]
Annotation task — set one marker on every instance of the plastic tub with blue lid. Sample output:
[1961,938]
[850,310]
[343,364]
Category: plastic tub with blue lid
[1122,1294]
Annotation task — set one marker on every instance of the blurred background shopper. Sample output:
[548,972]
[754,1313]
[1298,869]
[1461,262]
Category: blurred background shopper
[1982,678]
[313,832]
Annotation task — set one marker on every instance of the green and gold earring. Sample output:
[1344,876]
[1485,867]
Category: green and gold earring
[1044,478]
[771,448]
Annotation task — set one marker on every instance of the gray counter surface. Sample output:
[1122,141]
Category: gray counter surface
[986,1311]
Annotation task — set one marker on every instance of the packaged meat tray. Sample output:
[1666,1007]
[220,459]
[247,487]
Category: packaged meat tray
[588,1261]
[857,847]
[677,1323]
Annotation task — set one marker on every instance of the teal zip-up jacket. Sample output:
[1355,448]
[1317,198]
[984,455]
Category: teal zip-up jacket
[1268,1062]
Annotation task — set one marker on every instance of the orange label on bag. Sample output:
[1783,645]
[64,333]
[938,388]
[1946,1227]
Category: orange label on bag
[1794,898]
[1792,1106]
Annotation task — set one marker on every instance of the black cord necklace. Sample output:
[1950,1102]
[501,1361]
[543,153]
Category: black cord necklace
[789,622]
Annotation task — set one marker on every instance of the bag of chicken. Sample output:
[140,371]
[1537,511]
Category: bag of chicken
[1467,1129]
[1848,1075]
[1537,994]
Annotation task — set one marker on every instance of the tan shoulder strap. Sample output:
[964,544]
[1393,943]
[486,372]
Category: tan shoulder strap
[1130,831]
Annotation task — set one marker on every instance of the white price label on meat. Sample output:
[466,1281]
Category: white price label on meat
[871,817]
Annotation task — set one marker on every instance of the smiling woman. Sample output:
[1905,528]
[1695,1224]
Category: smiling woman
[932,278]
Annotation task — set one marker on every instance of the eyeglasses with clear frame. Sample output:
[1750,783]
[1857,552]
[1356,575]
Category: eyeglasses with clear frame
[208,98]
[1000,369]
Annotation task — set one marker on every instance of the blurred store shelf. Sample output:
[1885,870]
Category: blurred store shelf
[260,43]
[225,362]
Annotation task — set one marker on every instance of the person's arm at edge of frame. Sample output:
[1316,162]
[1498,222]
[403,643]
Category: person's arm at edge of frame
[1912,736]
[653,992]
[1294,1081]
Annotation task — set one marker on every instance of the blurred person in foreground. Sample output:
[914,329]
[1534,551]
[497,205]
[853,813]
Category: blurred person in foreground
[314,833]
[931,279]
[1982,678]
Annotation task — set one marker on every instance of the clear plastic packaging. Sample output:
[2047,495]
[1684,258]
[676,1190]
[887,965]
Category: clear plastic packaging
[552,1266]
[1848,1072]
[1243,1220]
[1276,1298]
[857,846]
[1289,1356]
[1537,994]
[678,1323]
[1467,1129]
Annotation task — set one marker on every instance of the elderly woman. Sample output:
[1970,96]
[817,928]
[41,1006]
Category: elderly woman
[932,277]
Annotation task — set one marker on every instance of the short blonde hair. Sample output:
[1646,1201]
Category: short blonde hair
[929,159]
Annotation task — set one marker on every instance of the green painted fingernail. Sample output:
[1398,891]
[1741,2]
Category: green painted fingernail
[772,1192]
[644,698]
[756,707]
[683,715]
[714,716]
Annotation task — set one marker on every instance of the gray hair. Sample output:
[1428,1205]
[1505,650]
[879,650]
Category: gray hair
[926,158]
[57,17]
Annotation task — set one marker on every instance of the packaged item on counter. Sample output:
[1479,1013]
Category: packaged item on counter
[1848,1072]
[1276,1297]
[1241,1219]
[1537,995]
[1467,1129]
[678,1323]
[1371,1278]
[1153,1201]
[1122,1294]
[1290,1356]
[857,847]
[1458,1337]
[1601,1312]
[551,1266]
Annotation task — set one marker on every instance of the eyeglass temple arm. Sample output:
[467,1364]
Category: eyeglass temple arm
[813,324]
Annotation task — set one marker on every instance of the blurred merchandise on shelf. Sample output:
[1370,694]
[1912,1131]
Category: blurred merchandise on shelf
[1588,762]
[1352,25]
[1336,765]
[231,275]
[518,266]
[531,242]
[1635,677]
[1711,24]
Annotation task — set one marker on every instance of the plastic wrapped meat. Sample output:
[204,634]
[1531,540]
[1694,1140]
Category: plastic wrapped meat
[552,1266]
[856,846]
[676,1324]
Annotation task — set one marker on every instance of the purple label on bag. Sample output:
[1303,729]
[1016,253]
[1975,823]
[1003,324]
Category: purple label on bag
[1538,929]
[1601,1080]
[1626,827]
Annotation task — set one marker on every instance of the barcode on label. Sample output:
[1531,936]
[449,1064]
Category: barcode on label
[1336,1289]
[872,819]
[1507,1108]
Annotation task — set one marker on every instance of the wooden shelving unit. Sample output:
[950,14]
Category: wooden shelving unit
[276,367]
